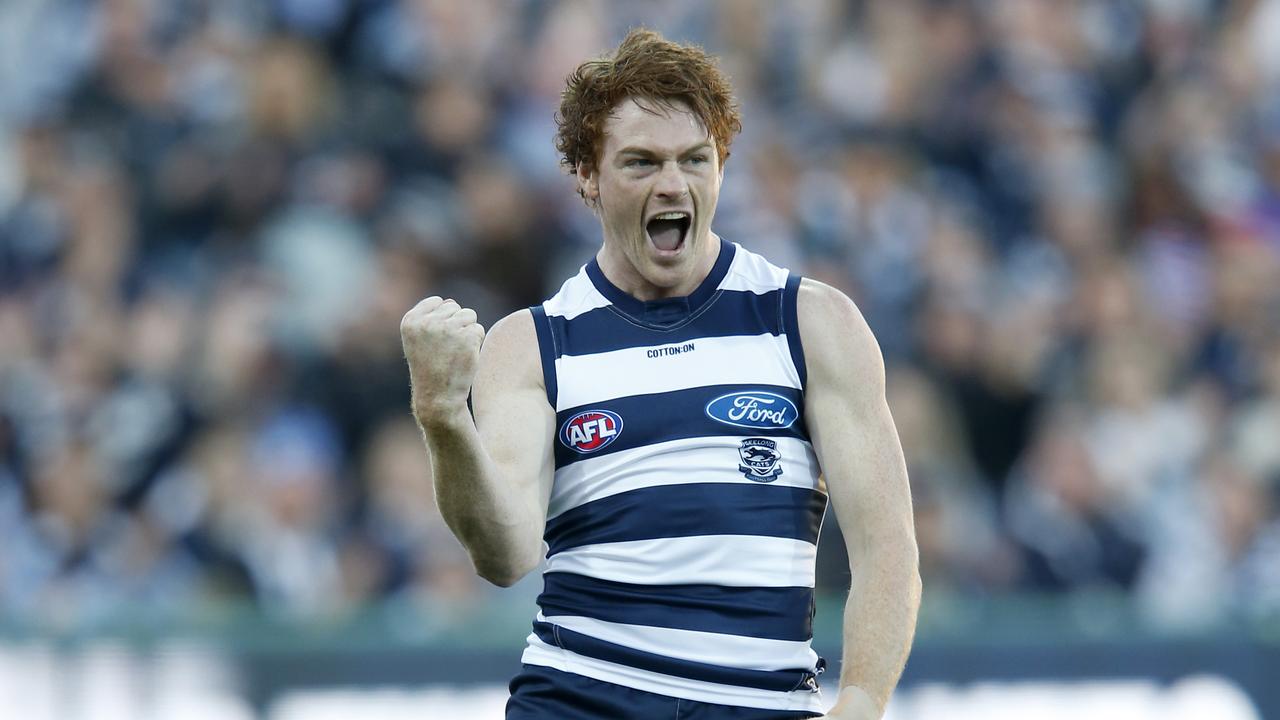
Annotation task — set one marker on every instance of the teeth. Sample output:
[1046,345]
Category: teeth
[671,216]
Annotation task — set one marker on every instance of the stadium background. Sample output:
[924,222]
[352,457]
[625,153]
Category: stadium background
[1061,218]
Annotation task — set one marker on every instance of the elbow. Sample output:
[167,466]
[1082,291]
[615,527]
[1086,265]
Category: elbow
[915,580]
[503,578]
[893,560]
[503,574]
[911,559]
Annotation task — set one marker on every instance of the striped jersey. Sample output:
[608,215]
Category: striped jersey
[683,522]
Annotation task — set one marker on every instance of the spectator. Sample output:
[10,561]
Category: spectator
[1061,219]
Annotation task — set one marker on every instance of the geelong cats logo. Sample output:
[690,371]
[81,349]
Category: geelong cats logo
[590,430]
[760,458]
[753,409]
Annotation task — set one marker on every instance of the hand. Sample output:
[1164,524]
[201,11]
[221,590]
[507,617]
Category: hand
[850,714]
[854,704]
[442,346]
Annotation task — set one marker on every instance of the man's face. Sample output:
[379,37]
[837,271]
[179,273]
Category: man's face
[655,186]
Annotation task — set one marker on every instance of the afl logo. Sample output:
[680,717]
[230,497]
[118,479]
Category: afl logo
[753,409]
[590,430]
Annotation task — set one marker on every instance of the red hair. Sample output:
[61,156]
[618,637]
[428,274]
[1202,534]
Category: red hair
[645,67]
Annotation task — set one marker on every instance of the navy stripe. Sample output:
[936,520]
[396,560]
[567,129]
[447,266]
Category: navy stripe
[547,349]
[791,324]
[777,680]
[694,509]
[776,613]
[540,692]
[660,417]
[732,312]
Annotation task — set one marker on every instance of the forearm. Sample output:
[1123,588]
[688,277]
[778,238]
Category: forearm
[879,623]
[499,528]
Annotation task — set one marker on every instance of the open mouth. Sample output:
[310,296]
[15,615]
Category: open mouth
[667,231]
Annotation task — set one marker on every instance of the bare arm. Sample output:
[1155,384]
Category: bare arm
[492,476]
[861,458]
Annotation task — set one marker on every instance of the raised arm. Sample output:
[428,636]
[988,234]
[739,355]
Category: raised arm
[861,459]
[492,476]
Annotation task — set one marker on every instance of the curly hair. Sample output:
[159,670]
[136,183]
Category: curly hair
[645,66]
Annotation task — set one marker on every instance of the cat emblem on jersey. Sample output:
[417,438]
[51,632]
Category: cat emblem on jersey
[760,459]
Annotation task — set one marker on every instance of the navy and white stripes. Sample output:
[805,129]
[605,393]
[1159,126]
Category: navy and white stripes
[646,427]
[683,522]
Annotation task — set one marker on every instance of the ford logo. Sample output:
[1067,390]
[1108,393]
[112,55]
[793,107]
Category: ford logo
[753,409]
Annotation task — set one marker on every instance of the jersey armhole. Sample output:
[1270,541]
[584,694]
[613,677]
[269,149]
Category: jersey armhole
[791,325]
[547,352]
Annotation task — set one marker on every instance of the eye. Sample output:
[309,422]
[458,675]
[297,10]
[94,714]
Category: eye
[638,162]
[698,159]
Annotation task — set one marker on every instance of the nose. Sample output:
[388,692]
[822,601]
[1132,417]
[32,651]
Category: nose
[671,182]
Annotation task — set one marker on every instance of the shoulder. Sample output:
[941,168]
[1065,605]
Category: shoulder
[576,296]
[838,343]
[753,272]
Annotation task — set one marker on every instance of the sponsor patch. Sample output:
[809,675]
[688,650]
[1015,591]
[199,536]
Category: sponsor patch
[760,459]
[590,430]
[753,409]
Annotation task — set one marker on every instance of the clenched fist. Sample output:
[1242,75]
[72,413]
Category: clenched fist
[442,345]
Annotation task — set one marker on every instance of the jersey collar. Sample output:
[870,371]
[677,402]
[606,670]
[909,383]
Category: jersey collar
[667,311]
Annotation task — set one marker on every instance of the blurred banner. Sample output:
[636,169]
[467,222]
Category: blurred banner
[1041,659]
[1150,680]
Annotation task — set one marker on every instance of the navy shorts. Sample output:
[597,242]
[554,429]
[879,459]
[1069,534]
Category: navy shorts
[543,693]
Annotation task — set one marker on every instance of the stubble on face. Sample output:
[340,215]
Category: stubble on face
[657,164]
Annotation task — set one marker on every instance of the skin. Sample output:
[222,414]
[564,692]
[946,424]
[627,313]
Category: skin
[493,475]
[861,458]
[655,158]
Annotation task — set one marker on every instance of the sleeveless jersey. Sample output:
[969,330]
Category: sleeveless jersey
[683,523]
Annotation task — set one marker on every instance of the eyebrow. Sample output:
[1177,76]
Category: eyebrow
[637,150]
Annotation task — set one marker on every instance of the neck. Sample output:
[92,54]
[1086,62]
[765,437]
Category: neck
[623,274]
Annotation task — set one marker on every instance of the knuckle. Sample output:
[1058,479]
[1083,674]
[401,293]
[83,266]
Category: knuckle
[463,316]
[447,309]
[418,312]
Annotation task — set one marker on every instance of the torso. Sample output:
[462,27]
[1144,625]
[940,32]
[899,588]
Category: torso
[683,521]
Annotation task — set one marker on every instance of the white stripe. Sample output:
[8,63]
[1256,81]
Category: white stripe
[729,560]
[675,462]
[734,651]
[732,360]
[753,273]
[577,296]
[540,653]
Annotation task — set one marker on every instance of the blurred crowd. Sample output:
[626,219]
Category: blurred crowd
[1060,217]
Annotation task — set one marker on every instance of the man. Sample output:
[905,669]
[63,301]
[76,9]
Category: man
[666,438]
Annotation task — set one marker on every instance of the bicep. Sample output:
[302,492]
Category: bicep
[849,421]
[515,421]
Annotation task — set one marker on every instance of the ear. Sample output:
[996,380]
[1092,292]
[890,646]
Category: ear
[588,182]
